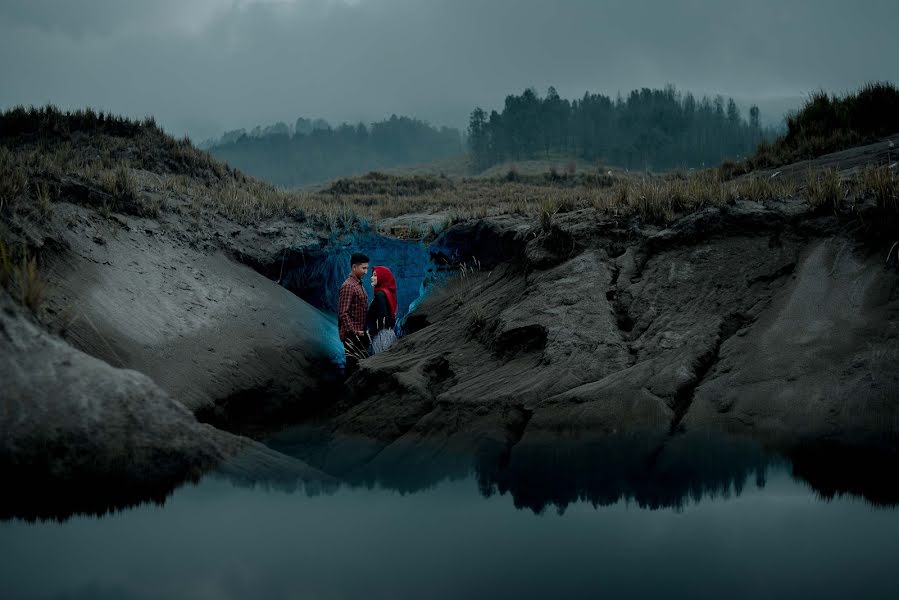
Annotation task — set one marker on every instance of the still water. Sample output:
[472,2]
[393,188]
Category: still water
[775,537]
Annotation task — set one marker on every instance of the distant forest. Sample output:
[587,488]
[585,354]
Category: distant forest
[653,129]
[314,152]
[650,129]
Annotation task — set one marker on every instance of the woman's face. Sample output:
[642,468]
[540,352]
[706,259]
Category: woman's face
[374,279]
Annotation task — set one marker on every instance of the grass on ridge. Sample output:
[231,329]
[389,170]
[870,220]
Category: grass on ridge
[137,169]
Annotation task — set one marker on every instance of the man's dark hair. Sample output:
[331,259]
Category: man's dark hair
[357,259]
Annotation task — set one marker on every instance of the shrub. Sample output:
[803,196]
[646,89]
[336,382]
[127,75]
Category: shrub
[452,217]
[553,175]
[546,215]
[824,189]
[880,184]
[652,202]
[124,187]
[43,200]
[31,284]
[829,123]
[476,318]
[519,206]
[758,189]
[21,277]
[5,266]
[730,170]
[598,180]
[49,121]
[381,183]
[622,193]
[71,139]
[13,180]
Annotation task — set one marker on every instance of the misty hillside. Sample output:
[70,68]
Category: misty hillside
[314,152]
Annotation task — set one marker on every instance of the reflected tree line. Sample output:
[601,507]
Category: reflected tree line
[652,129]
[652,472]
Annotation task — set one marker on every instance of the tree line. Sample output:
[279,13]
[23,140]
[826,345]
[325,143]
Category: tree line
[651,129]
[315,152]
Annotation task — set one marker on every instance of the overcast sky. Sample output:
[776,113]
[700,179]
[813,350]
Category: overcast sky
[204,66]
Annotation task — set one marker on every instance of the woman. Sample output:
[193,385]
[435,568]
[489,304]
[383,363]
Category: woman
[381,317]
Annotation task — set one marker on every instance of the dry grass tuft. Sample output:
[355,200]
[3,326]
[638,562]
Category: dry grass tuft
[824,189]
[124,186]
[43,197]
[546,214]
[31,284]
[882,185]
[6,267]
[21,277]
[476,318]
[651,199]
[13,178]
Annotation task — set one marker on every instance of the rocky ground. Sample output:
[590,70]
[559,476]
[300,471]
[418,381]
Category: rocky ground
[775,322]
[587,338]
[145,324]
[180,298]
[80,435]
[786,331]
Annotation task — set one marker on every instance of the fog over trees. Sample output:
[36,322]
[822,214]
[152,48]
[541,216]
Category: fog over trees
[312,151]
[649,129]
[652,129]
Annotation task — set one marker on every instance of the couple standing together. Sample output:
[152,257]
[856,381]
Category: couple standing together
[366,329]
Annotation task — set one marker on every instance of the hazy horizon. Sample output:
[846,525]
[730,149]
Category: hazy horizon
[202,67]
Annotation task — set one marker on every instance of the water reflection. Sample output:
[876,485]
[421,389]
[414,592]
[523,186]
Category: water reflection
[33,499]
[268,539]
[649,471]
[640,469]
[835,470]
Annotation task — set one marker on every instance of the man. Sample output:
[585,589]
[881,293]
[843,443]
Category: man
[352,307]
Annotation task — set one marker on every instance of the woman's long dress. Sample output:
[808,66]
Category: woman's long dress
[380,322]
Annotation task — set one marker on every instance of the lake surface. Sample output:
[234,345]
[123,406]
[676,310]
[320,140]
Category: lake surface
[776,537]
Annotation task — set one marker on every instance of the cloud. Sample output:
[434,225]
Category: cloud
[203,66]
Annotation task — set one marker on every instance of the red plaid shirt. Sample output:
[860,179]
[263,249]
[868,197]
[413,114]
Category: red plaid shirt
[352,307]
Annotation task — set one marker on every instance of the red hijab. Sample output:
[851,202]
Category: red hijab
[387,284]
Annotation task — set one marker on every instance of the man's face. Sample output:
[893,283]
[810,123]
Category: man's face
[359,270]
